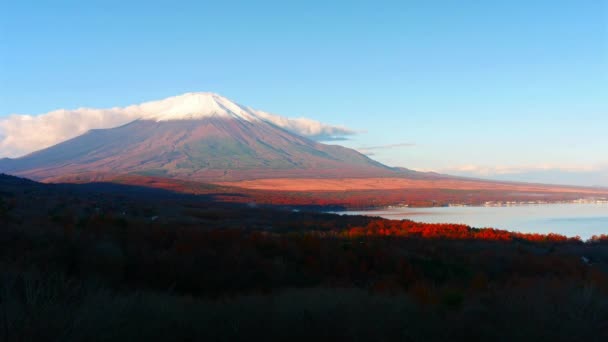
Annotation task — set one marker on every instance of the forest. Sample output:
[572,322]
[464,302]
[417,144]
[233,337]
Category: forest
[121,262]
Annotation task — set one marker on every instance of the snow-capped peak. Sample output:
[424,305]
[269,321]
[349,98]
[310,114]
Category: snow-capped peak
[63,124]
[192,106]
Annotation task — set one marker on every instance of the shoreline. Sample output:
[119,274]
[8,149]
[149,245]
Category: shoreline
[582,218]
[487,204]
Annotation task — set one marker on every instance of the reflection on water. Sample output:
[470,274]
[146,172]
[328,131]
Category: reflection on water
[570,219]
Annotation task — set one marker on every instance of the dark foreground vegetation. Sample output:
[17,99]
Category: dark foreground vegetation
[127,263]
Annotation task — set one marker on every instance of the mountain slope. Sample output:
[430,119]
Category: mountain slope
[199,136]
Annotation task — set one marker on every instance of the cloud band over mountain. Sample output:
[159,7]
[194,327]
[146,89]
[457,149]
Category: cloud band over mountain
[23,134]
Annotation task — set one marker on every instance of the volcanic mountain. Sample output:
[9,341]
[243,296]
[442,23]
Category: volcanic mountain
[195,136]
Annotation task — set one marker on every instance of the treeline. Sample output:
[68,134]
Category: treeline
[411,229]
[196,246]
[137,280]
[279,250]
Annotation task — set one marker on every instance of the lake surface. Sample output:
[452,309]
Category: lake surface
[570,219]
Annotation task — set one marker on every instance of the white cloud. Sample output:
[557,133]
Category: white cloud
[307,127]
[22,134]
[503,170]
[368,150]
[586,175]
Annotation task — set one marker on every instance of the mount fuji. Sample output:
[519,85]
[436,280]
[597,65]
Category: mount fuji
[199,137]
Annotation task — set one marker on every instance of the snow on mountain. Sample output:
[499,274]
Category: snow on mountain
[192,106]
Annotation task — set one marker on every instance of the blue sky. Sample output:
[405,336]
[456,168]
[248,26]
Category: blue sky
[515,89]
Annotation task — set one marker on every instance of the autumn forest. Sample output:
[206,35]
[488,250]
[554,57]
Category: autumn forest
[230,271]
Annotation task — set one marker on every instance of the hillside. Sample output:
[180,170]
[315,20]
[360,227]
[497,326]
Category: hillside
[99,262]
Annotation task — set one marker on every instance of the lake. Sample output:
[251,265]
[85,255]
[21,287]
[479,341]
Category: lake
[570,219]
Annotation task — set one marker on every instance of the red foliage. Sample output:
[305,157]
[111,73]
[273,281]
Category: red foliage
[602,238]
[408,228]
